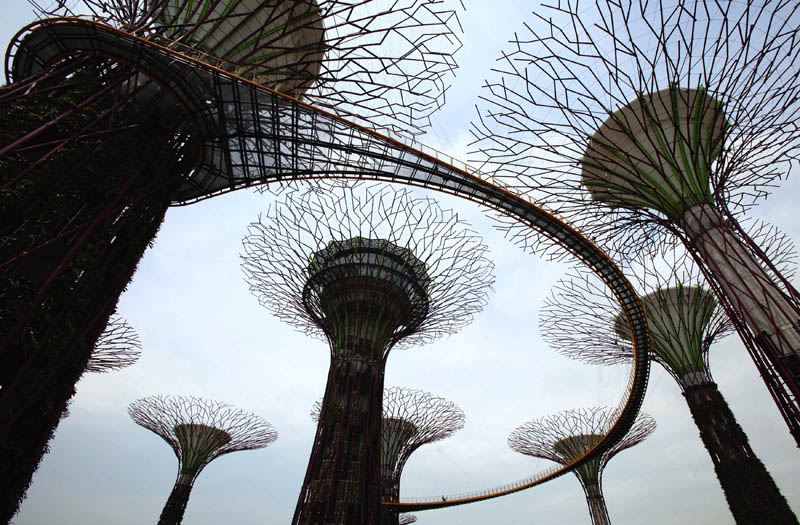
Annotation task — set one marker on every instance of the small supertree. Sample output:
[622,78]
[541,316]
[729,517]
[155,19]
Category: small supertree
[580,320]
[411,418]
[117,347]
[368,270]
[648,122]
[570,435]
[199,431]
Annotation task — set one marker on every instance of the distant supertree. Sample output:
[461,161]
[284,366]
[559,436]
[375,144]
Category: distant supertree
[570,435]
[117,347]
[81,202]
[647,122]
[580,320]
[368,270]
[411,418]
[199,431]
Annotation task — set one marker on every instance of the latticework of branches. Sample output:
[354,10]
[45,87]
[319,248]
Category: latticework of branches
[118,347]
[540,438]
[581,320]
[577,64]
[433,418]
[163,415]
[278,247]
[777,247]
[407,519]
[384,63]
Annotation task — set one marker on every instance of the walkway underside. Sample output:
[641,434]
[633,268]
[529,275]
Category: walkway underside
[253,136]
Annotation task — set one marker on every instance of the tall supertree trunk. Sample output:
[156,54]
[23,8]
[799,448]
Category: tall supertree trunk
[390,491]
[83,197]
[342,484]
[597,504]
[752,495]
[175,506]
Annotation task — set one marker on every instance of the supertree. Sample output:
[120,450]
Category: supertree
[117,347]
[581,321]
[651,122]
[569,436]
[199,431]
[367,269]
[411,418]
[81,202]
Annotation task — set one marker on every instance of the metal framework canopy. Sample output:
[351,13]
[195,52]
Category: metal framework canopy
[383,265]
[118,347]
[383,63]
[272,137]
[569,435]
[581,320]
[200,430]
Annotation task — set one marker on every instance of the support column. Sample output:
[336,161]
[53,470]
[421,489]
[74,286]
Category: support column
[752,494]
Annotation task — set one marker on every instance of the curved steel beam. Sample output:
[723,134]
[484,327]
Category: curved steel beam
[252,135]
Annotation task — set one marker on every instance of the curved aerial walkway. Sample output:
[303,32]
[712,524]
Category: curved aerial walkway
[252,135]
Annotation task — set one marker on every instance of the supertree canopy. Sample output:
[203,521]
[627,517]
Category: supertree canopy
[411,418]
[117,347]
[81,202]
[385,64]
[581,321]
[649,122]
[368,269]
[199,431]
[569,436]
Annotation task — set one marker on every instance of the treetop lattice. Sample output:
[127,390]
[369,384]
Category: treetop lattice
[280,249]
[185,423]
[118,347]
[732,63]
[581,320]
[381,63]
[569,435]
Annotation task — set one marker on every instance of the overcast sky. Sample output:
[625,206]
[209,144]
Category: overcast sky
[203,334]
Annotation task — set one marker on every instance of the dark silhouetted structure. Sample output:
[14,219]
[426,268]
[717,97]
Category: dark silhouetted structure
[368,269]
[650,122]
[81,202]
[199,431]
[570,435]
[581,321]
[411,418]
